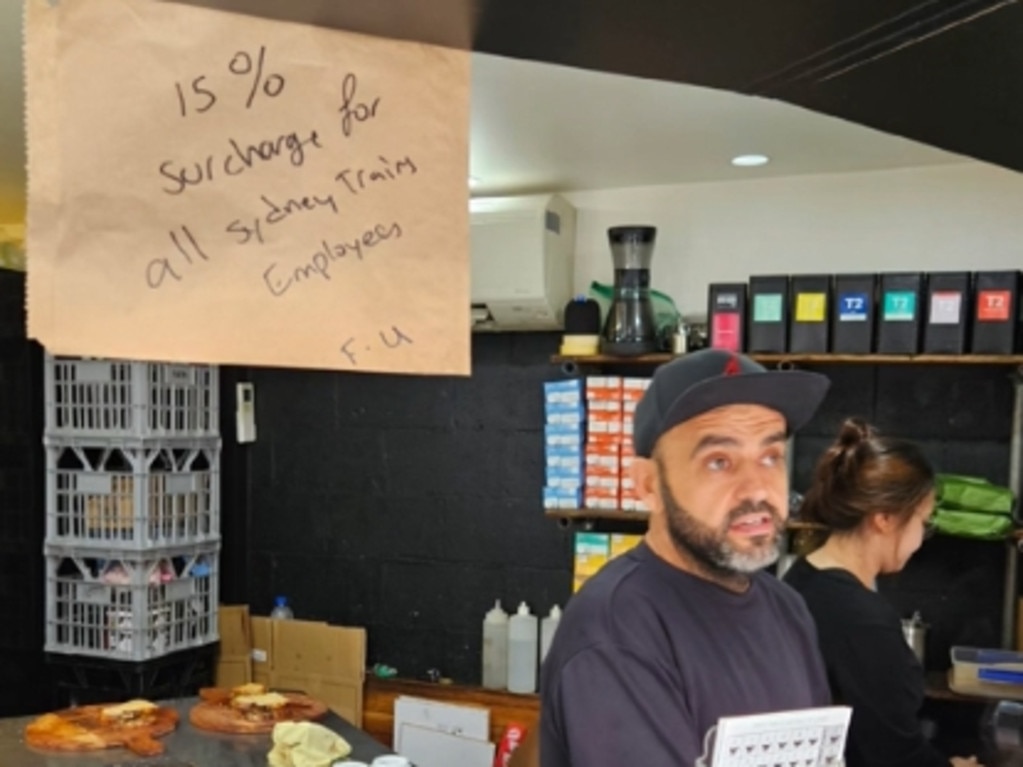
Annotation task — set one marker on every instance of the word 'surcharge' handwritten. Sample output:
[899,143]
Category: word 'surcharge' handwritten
[236,159]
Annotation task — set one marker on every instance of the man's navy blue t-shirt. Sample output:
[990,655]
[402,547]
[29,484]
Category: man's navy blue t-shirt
[648,657]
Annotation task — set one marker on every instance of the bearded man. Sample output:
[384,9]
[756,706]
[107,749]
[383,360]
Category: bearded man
[686,628]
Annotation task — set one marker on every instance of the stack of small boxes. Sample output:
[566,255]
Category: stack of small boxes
[602,488]
[589,452]
[594,550]
[611,406]
[588,443]
[632,392]
[564,435]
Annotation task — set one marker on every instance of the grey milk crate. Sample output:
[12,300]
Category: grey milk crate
[119,398]
[132,497]
[129,607]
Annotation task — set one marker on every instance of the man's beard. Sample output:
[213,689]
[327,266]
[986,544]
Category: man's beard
[711,548]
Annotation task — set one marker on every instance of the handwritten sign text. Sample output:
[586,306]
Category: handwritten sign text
[247,181]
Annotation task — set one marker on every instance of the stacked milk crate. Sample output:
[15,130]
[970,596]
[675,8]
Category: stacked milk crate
[132,508]
[588,443]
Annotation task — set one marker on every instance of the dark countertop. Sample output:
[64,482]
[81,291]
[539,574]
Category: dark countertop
[185,747]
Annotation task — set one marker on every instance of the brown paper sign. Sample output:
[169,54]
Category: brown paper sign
[217,188]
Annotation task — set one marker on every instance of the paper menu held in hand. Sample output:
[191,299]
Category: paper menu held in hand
[213,187]
[812,737]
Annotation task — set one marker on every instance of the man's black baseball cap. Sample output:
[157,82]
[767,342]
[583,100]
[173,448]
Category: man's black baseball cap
[695,383]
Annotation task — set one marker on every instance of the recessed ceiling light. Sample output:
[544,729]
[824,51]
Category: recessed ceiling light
[750,160]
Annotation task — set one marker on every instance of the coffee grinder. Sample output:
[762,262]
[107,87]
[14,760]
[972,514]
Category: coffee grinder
[630,328]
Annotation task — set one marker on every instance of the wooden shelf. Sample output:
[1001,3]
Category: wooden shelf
[609,359]
[822,359]
[936,687]
[620,515]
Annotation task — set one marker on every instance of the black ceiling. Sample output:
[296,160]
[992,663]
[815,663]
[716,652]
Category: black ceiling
[944,72]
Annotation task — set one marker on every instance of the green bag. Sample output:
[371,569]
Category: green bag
[971,507]
[666,314]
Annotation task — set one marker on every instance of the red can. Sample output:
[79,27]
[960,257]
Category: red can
[512,738]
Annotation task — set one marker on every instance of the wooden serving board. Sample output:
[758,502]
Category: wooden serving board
[214,713]
[83,729]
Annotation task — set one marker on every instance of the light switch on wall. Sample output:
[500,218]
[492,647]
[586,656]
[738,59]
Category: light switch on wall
[245,412]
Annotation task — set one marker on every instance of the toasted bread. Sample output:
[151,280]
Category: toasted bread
[126,713]
[267,701]
[252,688]
[50,727]
[260,708]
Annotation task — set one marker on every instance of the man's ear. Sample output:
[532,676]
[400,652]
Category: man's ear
[645,477]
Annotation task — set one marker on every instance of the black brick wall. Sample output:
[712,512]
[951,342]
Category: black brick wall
[409,504]
[960,414]
[21,507]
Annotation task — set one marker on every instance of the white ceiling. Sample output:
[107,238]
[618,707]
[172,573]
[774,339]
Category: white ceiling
[538,127]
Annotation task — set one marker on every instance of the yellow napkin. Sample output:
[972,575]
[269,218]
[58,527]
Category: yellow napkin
[306,744]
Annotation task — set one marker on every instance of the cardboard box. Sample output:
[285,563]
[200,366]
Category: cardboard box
[235,629]
[622,543]
[234,663]
[853,313]
[592,551]
[726,312]
[768,314]
[261,650]
[998,313]
[563,444]
[899,313]
[947,313]
[607,388]
[808,320]
[326,662]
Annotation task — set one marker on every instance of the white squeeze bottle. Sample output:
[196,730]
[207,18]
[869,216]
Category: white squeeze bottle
[547,628]
[522,641]
[495,648]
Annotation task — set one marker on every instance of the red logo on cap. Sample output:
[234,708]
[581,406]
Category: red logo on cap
[732,366]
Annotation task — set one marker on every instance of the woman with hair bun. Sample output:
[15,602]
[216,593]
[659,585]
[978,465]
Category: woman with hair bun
[875,497]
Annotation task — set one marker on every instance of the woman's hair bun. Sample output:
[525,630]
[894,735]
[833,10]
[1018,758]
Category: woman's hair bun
[862,473]
[853,432]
